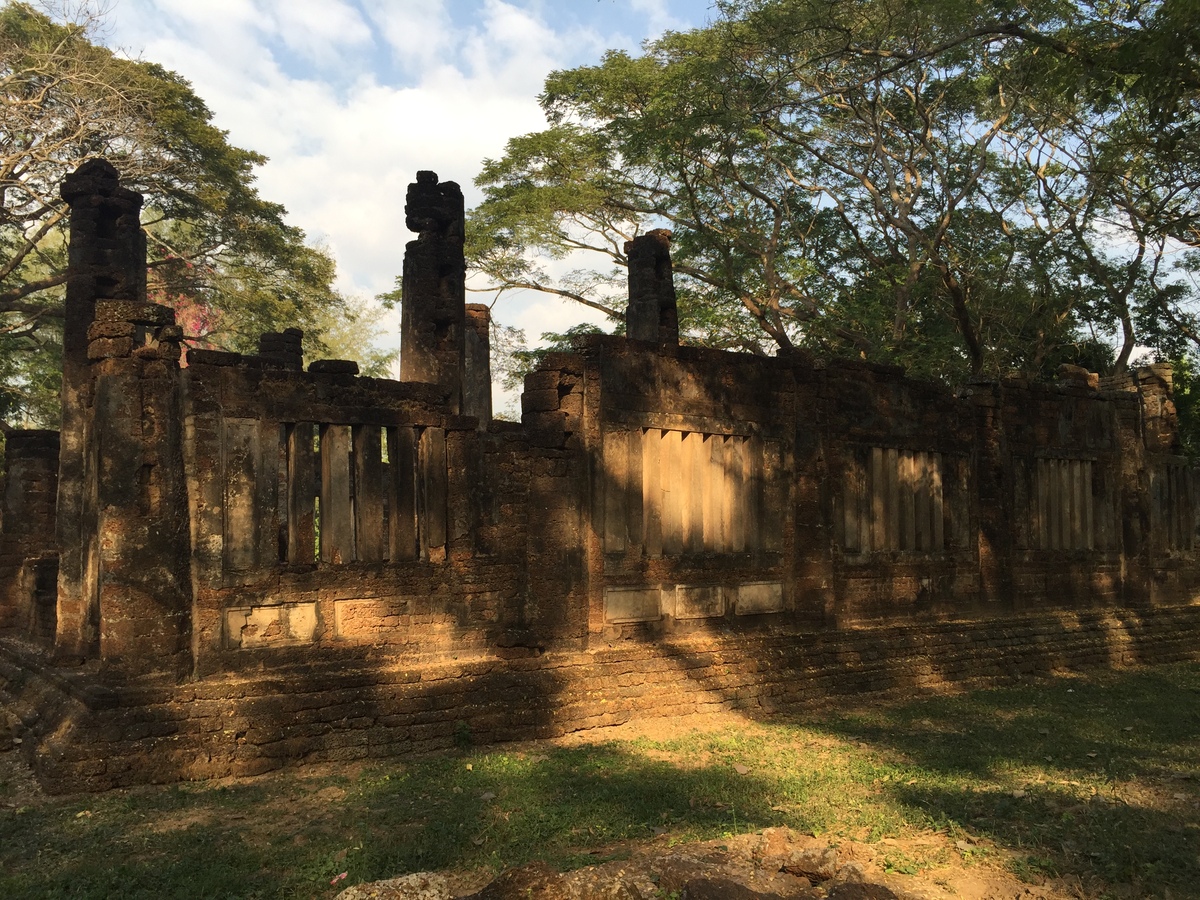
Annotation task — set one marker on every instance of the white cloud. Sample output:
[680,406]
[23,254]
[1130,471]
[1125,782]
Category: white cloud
[319,30]
[343,150]
[209,15]
[658,16]
[511,48]
[341,159]
[418,33]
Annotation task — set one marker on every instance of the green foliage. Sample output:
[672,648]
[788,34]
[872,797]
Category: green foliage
[517,360]
[952,186]
[218,251]
[350,331]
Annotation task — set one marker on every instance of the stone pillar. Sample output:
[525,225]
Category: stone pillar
[28,553]
[477,364]
[651,314]
[992,471]
[1160,425]
[106,261]
[283,347]
[433,298]
[141,557]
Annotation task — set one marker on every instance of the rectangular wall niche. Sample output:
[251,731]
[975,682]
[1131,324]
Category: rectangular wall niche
[756,597]
[691,601]
[1172,508]
[308,492]
[670,493]
[892,500]
[698,601]
[1064,511]
[624,604]
[248,627]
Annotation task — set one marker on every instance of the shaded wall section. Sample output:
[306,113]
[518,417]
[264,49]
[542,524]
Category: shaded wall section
[93,739]
[28,551]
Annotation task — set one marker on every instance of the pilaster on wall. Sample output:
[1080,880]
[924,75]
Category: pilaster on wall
[559,539]
[107,261]
[433,298]
[1160,425]
[993,492]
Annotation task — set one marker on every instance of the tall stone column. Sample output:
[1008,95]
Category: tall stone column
[652,314]
[143,540]
[477,364]
[433,298]
[106,261]
[993,491]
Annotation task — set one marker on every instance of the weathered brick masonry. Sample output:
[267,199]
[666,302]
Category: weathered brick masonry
[260,564]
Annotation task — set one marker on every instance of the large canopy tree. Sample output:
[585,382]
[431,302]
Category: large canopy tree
[958,186]
[219,252]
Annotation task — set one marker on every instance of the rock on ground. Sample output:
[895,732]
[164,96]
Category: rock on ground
[777,864]
[419,886]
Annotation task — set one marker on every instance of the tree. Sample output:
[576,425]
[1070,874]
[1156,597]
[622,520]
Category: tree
[217,250]
[953,186]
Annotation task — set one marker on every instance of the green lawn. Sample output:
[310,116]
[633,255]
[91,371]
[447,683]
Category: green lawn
[1094,776]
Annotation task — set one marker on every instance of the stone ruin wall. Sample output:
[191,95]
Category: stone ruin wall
[261,562]
[28,561]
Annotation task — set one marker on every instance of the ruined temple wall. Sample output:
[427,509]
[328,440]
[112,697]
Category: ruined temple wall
[335,515]
[898,454]
[272,564]
[254,722]
[858,494]
[687,511]
[1161,502]
[28,550]
[649,491]
[1067,452]
[739,492]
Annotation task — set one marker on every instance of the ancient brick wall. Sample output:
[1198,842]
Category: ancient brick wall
[28,556]
[332,511]
[94,738]
[734,492]
[267,562]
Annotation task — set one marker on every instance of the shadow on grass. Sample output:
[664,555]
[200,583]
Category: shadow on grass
[1087,776]
[288,837]
[1076,775]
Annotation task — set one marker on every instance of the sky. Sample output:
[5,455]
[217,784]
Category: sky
[349,98]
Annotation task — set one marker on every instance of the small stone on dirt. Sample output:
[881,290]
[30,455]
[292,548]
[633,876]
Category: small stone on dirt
[535,881]
[418,886]
[861,892]
[815,864]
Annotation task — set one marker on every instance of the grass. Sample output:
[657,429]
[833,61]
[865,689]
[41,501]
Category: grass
[1087,776]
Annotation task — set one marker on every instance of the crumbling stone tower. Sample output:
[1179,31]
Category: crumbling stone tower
[443,340]
[432,306]
[123,584]
[107,258]
[652,314]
